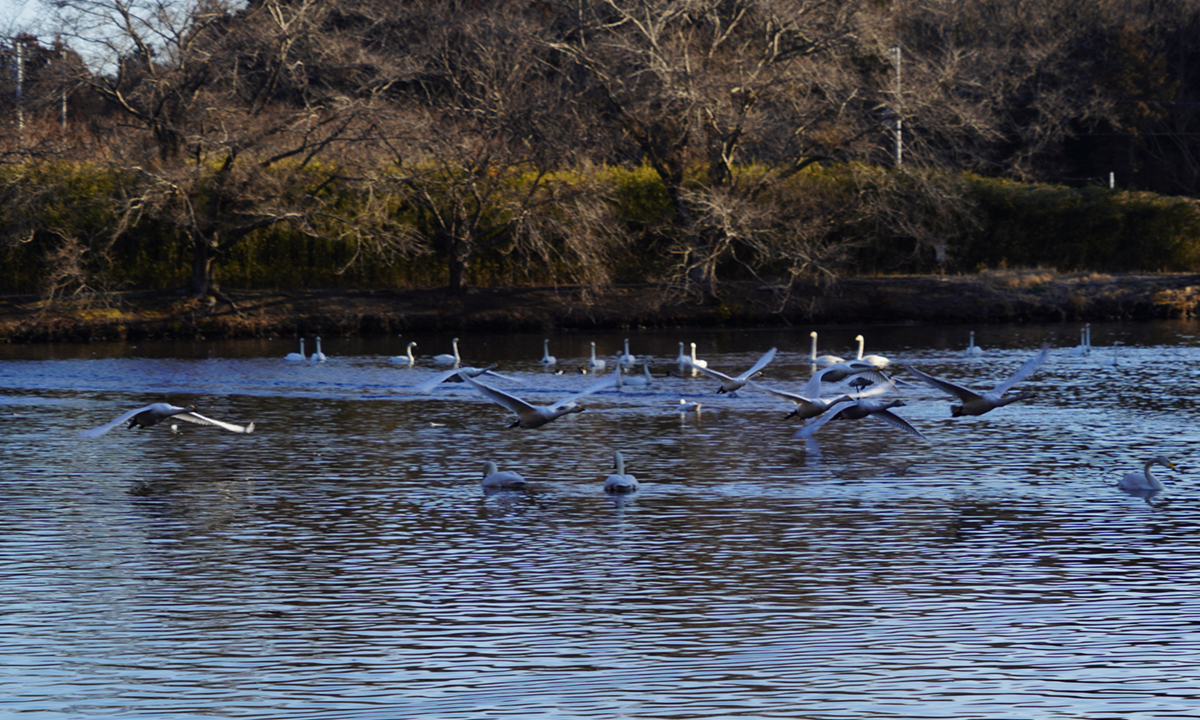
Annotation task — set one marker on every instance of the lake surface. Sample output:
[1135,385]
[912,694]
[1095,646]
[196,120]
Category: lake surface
[343,561]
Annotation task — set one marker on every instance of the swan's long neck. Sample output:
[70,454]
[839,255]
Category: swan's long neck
[693,353]
[860,347]
[813,355]
[489,468]
[593,352]
[619,462]
[646,370]
[454,345]
[564,411]
[971,341]
[302,347]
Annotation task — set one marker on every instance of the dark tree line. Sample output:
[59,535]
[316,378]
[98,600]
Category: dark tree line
[231,118]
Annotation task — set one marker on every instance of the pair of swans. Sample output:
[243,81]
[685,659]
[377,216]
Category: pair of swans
[1085,342]
[877,361]
[318,356]
[618,483]
[689,362]
[155,413]
[977,403]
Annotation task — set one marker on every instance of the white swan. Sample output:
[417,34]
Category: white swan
[878,361]
[534,416]
[155,413]
[625,358]
[682,359]
[688,406]
[974,403]
[694,362]
[1146,480]
[619,482]
[496,479]
[810,404]
[859,409]
[596,364]
[642,380]
[297,357]
[318,356]
[972,350]
[405,359]
[445,359]
[1085,342]
[547,358]
[733,384]
[821,359]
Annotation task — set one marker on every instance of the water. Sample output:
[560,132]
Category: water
[343,561]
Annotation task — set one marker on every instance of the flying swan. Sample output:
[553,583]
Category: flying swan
[859,409]
[974,403]
[153,414]
[732,384]
[534,416]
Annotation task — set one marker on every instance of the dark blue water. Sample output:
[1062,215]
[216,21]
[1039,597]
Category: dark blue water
[343,561]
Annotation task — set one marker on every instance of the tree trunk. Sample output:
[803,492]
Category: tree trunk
[203,281]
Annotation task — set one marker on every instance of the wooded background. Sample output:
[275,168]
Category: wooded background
[335,143]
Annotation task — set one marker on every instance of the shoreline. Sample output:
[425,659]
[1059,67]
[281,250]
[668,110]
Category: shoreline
[989,297]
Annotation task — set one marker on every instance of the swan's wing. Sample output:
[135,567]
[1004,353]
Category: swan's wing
[767,357]
[510,378]
[898,422]
[815,424]
[98,431]
[781,394]
[714,374]
[436,380]
[513,403]
[958,391]
[1030,367]
[197,418]
[600,384]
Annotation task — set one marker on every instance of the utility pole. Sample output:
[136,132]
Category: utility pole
[897,110]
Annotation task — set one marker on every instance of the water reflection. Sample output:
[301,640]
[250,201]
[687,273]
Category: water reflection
[344,561]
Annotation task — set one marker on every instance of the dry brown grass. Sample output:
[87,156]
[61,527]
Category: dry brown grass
[1018,278]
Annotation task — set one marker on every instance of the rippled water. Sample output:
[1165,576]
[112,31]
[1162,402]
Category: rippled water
[343,561]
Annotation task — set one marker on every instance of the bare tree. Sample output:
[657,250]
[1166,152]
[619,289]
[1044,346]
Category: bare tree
[717,86]
[240,127]
[478,158]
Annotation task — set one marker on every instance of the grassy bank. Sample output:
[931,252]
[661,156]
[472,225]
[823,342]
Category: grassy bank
[991,297]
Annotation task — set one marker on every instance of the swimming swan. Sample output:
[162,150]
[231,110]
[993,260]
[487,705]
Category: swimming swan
[445,359]
[821,359]
[1145,480]
[859,409]
[878,361]
[547,358]
[642,380]
[496,479]
[155,413]
[974,403]
[534,416]
[407,358]
[318,356]
[733,384]
[297,357]
[596,364]
[619,482]
[625,358]
[972,350]
[1085,342]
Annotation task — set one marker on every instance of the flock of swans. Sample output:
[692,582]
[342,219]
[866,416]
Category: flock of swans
[838,389]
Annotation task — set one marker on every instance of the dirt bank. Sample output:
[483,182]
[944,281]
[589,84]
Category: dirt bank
[1002,296]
